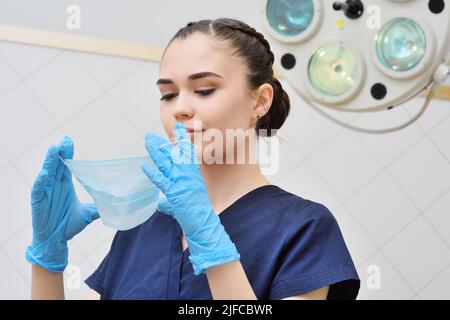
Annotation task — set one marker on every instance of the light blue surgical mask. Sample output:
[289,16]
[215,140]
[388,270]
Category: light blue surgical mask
[125,197]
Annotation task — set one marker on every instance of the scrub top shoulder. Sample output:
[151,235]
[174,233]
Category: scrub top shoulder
[288,246]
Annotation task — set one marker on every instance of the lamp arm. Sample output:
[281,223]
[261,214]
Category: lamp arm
[434,87]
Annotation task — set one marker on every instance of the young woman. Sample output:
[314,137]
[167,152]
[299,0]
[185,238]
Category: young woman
[222,231]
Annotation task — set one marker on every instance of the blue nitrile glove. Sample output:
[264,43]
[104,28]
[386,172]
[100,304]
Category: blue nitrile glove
[57,214]
[186,200]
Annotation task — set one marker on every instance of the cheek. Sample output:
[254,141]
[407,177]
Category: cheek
[230,111]
[232,114]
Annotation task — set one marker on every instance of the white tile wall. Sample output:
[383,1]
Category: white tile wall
[75,86]
[12,285]
[422,172]
[345,164]
[389,146]
[108,70]
[308,127]
[25,61]
[439,135]
[419,253]
[309,185]
[3,160]
[389,193]
[23,123]
[138,97]
[388,212]
[15,248]
[438,288]
[9,78]
[30,162]
[15,199]
[97,256]
[75,252]
[113,134]
[439,216]
[137,148]
[95,235]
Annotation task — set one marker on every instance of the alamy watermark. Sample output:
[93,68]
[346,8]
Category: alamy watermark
[74,19]
[234,146]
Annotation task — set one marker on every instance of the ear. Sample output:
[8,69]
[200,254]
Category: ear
[264,97]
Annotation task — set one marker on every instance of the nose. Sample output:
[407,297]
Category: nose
[183,109]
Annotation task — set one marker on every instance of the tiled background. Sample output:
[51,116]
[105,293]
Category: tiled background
[390,193]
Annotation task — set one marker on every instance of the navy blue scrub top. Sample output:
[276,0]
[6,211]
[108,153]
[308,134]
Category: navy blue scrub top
[288,246]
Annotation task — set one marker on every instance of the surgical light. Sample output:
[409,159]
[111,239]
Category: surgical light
[400,44]
[360,56]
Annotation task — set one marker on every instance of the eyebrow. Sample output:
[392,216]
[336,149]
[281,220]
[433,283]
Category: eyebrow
[191,77]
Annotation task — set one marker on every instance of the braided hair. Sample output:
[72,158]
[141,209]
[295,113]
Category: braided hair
[255,50]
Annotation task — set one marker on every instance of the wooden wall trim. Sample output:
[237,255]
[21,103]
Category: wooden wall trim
[110,47]
[76,42]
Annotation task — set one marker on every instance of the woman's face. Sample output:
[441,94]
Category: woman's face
[220,100]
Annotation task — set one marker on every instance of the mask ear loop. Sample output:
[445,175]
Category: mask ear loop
[63,160]
[175,142]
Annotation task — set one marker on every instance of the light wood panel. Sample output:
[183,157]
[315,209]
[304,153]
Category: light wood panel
[105,46]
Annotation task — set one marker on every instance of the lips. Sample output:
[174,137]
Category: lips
[192,133]
[191,130]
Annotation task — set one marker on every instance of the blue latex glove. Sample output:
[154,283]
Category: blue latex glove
[186,200]
[57,214]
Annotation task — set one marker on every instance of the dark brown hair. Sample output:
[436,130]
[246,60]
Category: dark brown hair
[255,50]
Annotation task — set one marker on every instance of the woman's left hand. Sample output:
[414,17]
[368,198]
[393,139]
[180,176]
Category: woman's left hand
[186,199]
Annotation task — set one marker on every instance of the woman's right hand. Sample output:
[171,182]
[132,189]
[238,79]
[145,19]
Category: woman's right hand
[57,214]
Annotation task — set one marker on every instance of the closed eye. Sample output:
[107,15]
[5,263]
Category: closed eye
[201,92]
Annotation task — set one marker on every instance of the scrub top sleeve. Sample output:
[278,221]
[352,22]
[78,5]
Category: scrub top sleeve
[96,280]
[315,255]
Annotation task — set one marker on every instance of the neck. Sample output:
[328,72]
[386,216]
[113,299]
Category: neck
[226,183]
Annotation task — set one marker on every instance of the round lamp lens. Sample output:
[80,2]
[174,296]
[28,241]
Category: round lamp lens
[400,44]
[332,70]
[290,17]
